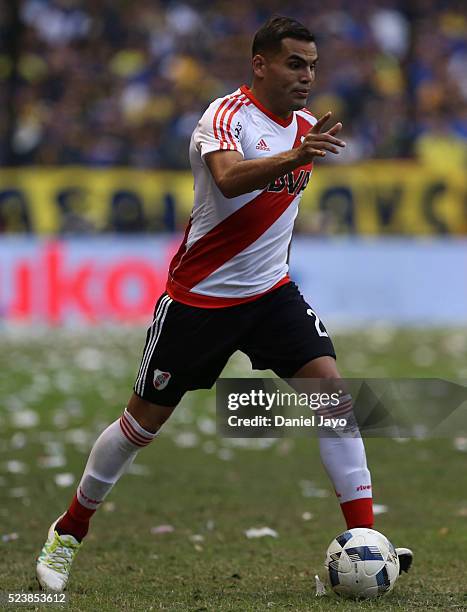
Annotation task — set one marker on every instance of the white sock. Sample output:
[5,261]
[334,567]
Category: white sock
[111,455]
[344,458]
[345,462]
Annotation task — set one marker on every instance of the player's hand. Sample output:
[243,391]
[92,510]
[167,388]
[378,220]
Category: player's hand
[316,142]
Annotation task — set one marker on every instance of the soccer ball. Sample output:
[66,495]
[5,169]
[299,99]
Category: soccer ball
[361,564]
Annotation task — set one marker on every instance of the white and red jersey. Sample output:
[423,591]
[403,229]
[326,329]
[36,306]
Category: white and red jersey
[235,249]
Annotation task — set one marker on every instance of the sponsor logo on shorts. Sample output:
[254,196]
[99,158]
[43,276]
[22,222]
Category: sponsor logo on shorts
[161,379]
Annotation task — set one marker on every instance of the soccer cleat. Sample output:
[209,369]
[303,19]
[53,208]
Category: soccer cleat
[54,563]
[405,559]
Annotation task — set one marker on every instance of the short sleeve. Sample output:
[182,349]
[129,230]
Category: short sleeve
[221,128]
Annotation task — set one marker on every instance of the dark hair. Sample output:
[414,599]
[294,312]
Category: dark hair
[270,35]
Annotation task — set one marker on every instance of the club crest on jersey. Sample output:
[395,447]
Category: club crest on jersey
[161,379]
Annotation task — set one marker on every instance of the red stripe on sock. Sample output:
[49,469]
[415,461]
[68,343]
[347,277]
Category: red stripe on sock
[337,411]
[358,512]
[128,434]
[137,434]
[126,431]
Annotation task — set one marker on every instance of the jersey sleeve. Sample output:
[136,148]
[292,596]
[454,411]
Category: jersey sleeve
[221,128]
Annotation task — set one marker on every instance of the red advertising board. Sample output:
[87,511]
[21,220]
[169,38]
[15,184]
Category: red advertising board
[83,281]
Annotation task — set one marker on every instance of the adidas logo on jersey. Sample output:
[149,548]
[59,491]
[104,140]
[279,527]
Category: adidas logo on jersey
[262,145]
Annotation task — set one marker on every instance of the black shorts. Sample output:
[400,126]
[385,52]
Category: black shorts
[188,347]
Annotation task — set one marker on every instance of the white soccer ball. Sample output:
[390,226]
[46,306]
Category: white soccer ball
[361,564]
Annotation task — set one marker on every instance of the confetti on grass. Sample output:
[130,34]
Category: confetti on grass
[261,532]
[309,489]
[9,537]
[18,492]
[16,467]
[460,444]
[320,588]
[64,480]
[23,419]
[162,529]
[197,537]
[186,439]
[54,461]
[137,469]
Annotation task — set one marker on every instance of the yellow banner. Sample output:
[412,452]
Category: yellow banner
[373,198]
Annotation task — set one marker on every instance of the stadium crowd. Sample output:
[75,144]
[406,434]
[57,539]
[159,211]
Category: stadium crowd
[116,82]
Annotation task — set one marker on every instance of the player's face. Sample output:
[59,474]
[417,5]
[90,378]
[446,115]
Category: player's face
[289,74]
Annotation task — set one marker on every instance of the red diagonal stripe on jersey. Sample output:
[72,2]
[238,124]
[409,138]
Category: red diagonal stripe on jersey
[230,237]
[303,127]
[181,250]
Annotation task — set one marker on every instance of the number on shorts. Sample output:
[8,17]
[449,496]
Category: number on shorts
[321,332]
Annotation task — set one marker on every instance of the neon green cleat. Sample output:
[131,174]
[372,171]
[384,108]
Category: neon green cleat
[54,563]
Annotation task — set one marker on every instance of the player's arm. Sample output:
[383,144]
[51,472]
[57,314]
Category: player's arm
[235,176]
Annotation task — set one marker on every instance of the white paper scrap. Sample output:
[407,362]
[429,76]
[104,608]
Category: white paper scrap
[320,588]
[261,532]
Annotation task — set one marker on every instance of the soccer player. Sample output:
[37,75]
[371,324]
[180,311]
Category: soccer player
[228,288]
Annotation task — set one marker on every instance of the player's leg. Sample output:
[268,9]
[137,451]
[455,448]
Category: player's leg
[343,453]
[111,455]
[186,348]
[116,448]
[345,461]
[290,339]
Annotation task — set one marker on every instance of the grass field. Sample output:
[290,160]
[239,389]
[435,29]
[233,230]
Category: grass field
[60,389]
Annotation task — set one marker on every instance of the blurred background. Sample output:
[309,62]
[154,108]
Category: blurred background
[98,99]
[97,104]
